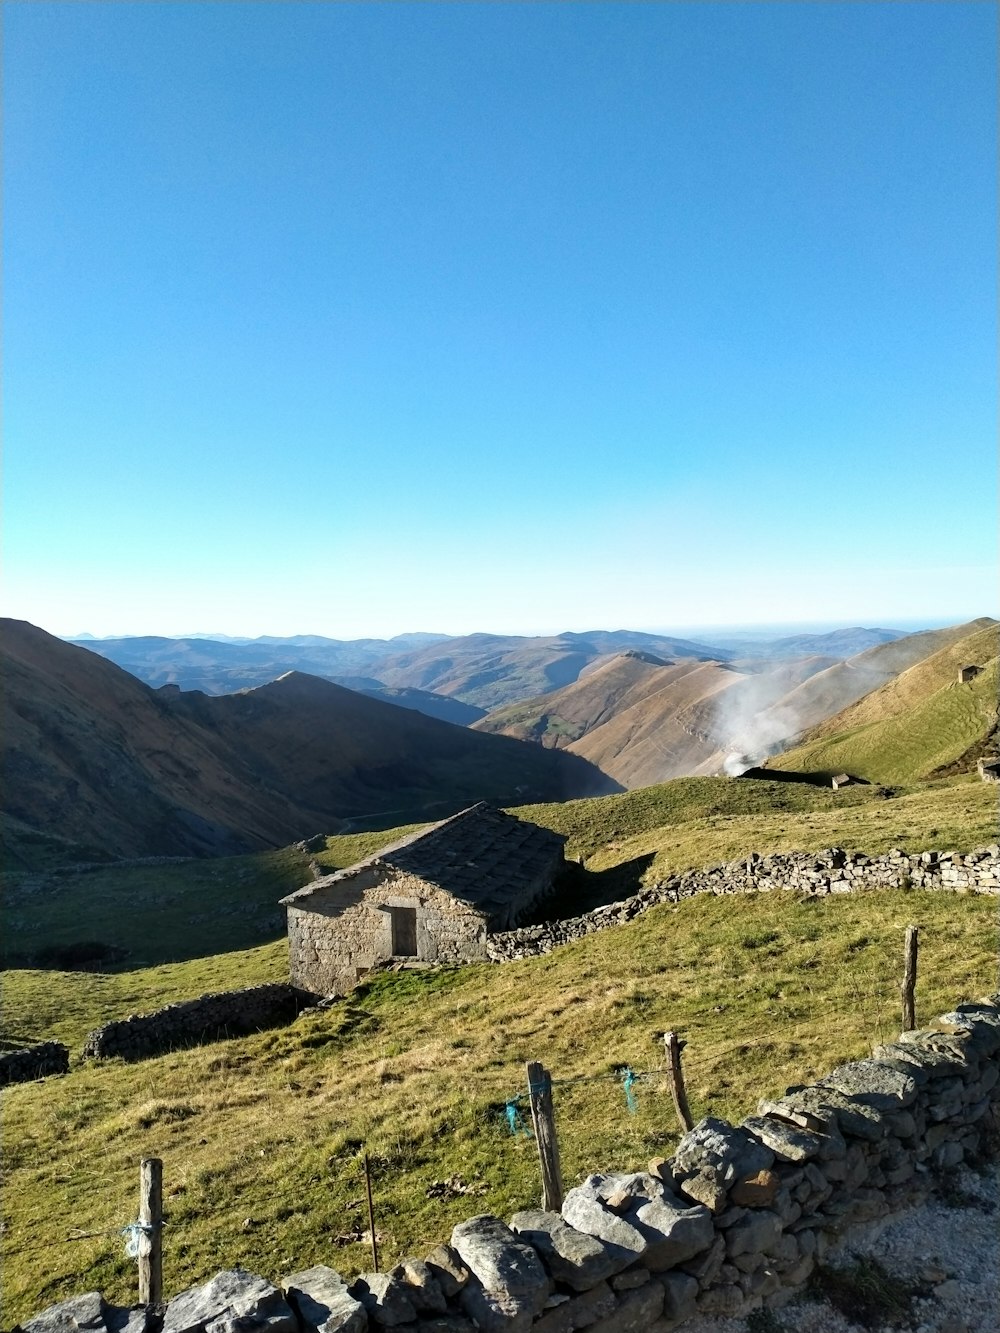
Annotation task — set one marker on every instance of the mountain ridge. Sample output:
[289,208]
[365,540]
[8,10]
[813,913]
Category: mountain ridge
[94,755]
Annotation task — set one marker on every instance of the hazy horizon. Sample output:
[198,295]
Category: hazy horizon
[749,631]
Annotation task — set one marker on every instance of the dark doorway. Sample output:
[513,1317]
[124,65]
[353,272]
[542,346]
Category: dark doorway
[404,931]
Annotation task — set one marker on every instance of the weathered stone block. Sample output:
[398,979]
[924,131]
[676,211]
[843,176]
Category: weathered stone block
[635,1312]
[571,1256]
[872,1083]
[705,1187]
[716,1146]
[84,1312]
[449,1270]
[725,1300]
[585,1209]
[672,1232]
[422,1286]
[320,1298]
[630,1280]
[385,1299]
[228,1298]
[757,1231]
[756,1191]
[512,1281]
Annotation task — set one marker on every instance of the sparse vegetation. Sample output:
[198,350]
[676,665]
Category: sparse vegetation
[866,1292]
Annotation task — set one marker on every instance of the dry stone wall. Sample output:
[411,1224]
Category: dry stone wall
[37,1060]
[813,873]
[739,1216]
[222,1014]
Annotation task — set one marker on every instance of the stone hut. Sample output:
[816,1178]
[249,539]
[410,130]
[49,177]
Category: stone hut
[841,780]
[989,769]
[432,897]
[967,673]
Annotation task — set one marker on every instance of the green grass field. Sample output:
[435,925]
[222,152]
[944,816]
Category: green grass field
[167,913]
[930,734]
[261,1135]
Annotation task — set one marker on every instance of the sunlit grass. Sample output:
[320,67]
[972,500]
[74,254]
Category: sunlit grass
[260,1135]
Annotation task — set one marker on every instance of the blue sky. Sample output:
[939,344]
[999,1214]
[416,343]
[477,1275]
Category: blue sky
[355,319]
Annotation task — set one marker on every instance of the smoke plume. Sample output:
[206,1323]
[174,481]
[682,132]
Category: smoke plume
[751,724]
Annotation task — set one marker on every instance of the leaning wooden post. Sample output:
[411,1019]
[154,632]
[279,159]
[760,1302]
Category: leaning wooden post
[909,979]
[544,1121]
[673,1047]
[151,1218]
[371,1215]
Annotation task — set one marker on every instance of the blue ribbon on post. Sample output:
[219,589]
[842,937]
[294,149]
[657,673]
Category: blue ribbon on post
[515,1123]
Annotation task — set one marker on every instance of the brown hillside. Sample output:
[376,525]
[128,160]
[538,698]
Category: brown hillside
[93,755]
[491,670]
[645,721]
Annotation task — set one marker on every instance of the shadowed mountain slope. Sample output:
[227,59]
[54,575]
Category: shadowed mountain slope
[95,756]
[922,720]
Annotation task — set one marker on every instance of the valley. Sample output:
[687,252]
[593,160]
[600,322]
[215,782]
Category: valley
[261,1136]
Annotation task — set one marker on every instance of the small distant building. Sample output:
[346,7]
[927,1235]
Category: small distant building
[432,897]
[989,769]
[841,780]
[967,673]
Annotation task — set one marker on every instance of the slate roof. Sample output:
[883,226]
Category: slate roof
[482,856]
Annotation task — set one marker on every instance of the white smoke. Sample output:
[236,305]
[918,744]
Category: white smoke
[750,724]
[737,763]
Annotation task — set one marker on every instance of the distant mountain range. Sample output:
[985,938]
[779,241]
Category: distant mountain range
[94,756]
[102,759]
[644,720]
[481,671]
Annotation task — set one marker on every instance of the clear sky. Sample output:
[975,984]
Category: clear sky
[355,319]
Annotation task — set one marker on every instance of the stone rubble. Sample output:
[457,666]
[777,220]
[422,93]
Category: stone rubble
[814,874]
[739,1217]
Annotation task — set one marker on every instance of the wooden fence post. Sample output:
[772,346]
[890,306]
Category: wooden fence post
[371,1215]
[151,1217]
[676,1074]
[544,1122]
[909,979]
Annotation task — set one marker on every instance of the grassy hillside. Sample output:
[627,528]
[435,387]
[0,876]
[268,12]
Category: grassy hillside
[828,693]
[261,1136]
[643,720]
[148,914]
[921,721]
[151,914]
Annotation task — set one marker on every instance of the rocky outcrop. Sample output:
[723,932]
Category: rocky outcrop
[815,874]
[24,1063]
[739,1215]
[222,1014]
